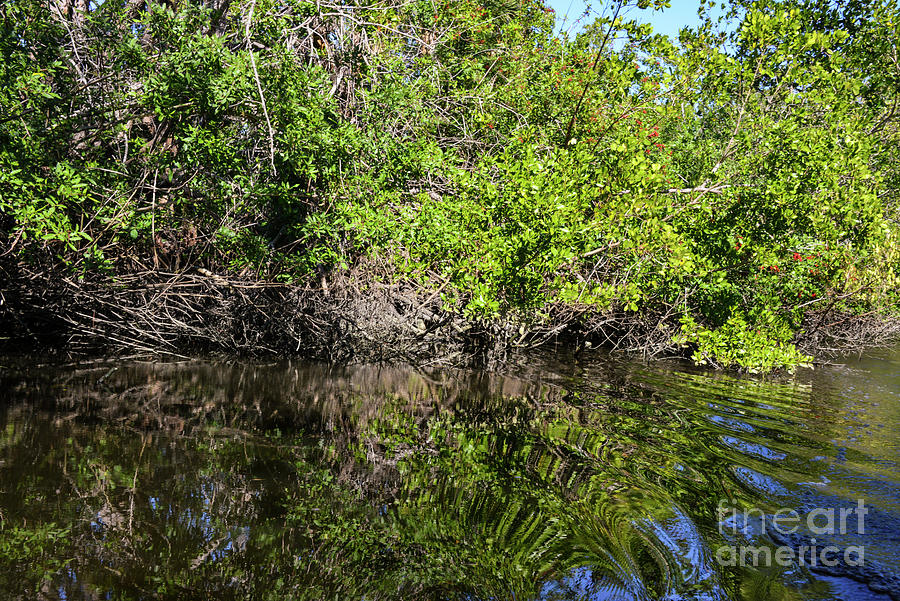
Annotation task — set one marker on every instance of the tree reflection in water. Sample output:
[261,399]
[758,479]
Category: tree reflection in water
[286,481]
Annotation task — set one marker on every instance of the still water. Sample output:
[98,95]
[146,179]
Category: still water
[611,480]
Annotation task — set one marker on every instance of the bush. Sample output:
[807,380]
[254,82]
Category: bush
[736,181]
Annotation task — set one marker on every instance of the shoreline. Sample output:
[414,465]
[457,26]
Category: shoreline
[351,319]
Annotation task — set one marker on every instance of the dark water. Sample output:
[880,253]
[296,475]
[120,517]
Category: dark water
[615,480]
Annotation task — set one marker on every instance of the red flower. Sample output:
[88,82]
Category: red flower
[798,257]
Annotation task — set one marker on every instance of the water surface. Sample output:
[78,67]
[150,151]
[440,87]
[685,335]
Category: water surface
[613,480]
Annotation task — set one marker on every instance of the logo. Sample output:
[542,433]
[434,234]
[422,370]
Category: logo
[788,524]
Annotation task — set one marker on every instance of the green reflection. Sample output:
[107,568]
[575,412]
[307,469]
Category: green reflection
[204,480]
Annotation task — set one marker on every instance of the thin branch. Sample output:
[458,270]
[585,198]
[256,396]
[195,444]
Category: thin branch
[259,89]
[587,84]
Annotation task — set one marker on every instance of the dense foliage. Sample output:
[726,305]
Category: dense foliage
[730,183]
